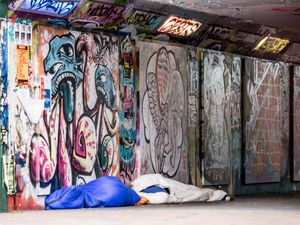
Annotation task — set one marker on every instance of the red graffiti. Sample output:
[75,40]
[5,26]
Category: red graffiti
[291,10]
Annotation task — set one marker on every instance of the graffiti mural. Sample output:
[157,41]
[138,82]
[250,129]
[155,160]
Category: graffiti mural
[129,160]
[164,107]
[144,20]
[4,84]
[266,119]
[272,44]
[18,136]
[5,183]
[221,113]
[296,124]
[99,13]
[179,26]
[77,139]
[49,7]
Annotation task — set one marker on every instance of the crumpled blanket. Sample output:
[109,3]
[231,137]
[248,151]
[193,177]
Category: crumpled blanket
[177,192]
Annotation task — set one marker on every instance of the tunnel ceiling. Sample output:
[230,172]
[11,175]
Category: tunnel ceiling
[283,14]
[234,26]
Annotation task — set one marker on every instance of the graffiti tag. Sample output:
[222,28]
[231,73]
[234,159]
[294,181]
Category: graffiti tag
[272,45]
[144,20]
[103,13]
[179,26]
[49,7]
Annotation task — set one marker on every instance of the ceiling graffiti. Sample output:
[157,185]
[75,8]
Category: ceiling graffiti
[211,24]
[179,27]
[99,12]
[272,44]
[48,7]
[143,20]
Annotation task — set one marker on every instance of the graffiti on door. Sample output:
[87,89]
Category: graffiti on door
[164,107]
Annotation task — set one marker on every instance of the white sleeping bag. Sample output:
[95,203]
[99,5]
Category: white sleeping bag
[179,192]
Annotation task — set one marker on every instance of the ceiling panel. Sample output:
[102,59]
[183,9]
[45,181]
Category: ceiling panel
[283,14]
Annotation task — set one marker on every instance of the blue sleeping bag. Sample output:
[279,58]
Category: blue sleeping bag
[106,191]
[109,192]
[66,198]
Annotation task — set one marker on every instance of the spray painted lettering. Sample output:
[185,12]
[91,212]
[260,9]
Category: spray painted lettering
[179,26]
[102,13]
[272,44]
[144,20]
[49,7]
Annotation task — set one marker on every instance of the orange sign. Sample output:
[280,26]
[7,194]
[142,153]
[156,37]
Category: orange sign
[179,26]
[22,64]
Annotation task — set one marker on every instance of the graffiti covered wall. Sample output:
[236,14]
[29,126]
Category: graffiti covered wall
[76,137]
[129,128]
[84,105]
[163,74]
[266,115]
[221,113]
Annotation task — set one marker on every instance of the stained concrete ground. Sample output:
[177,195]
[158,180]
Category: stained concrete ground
[259,210]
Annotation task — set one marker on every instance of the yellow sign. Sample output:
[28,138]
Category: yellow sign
[272,44]
[179,26]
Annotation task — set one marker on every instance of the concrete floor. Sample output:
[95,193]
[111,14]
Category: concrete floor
[258,210]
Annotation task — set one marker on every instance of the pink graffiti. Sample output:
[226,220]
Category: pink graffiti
[64,166]
[42,166]
[85,152]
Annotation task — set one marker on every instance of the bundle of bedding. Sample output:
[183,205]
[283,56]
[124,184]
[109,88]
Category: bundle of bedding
[158,190]
[109,191]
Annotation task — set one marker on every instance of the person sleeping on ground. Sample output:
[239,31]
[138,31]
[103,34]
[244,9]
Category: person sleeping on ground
[109,191]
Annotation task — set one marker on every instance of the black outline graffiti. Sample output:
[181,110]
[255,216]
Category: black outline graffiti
[161,111]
